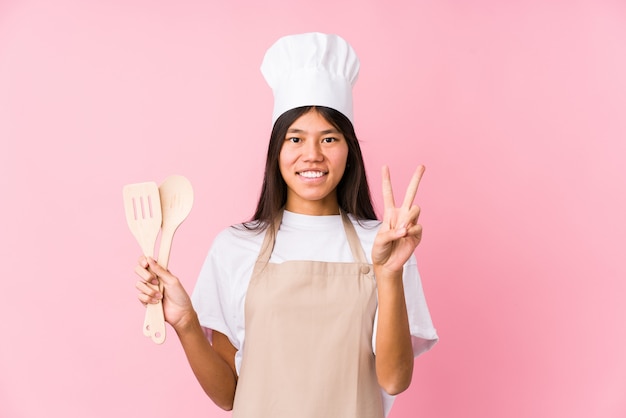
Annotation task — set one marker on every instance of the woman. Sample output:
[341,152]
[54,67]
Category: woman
[290,317]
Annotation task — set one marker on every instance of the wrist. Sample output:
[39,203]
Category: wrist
[188,322]
[383,273]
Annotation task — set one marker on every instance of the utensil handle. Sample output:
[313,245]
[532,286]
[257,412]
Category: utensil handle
[154,317]
[154,320]
[154,323]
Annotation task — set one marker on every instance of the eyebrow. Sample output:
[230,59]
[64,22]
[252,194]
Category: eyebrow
[300,131]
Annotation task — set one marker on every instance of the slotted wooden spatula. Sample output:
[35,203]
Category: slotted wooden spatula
[176,203]
[142,204]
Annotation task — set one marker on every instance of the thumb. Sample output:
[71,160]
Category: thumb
[161,273]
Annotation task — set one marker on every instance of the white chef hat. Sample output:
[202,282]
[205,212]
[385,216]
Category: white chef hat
[311,69]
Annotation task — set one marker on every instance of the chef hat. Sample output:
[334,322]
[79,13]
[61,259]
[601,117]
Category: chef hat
[311,69]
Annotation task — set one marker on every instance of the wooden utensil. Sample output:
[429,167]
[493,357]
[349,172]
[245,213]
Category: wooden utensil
[176,196]
[142,204]
[176,203]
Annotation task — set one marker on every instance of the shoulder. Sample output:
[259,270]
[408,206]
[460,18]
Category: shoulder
[231,256]
[233,247]
[238,236]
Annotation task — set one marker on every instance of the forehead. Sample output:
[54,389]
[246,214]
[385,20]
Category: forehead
[312,122]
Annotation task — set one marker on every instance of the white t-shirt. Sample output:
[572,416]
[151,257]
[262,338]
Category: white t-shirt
[219,295]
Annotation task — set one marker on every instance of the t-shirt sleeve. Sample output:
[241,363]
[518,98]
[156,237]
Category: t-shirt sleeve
[423,333]
[212,297]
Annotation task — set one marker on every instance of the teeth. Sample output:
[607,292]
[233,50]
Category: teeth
[311,174]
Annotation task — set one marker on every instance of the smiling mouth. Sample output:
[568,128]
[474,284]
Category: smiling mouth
[311,174]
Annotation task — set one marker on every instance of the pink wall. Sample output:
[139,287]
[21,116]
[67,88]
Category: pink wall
[516,108]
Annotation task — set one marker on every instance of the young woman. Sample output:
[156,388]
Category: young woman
[313,308]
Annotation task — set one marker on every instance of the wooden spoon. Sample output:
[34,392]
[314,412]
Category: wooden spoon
[176,196]
[176,203]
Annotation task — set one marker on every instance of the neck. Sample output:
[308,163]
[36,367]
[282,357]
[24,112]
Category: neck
[314,208]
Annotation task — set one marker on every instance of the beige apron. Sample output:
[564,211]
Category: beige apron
[308,346]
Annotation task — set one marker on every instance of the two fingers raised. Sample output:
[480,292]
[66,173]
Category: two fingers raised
[408,213]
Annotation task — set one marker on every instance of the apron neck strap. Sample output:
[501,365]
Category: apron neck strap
[353,239]
[270,239]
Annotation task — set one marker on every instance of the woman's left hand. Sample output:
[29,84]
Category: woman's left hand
[399,233]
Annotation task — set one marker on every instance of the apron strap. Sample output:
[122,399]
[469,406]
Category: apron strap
[270,239]
[353,239]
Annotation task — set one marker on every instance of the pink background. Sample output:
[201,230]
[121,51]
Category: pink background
[516,108]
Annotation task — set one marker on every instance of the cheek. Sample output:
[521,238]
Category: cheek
[341,159]
[285,160]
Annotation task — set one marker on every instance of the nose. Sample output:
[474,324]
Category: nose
[312,151]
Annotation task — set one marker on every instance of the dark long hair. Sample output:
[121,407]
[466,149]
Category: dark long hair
[353,192]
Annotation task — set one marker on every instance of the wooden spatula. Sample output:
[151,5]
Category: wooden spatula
[176,203]
[142,204]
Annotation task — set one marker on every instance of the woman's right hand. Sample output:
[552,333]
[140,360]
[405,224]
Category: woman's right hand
[177,305]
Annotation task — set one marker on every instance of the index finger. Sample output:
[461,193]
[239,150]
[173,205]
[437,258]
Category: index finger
[388,200]
[412,188]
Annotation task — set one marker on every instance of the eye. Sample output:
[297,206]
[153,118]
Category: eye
[329,140]
[294,140]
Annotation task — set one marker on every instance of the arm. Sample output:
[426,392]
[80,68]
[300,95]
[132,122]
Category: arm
[395,242]
[213,365]
[394,351]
